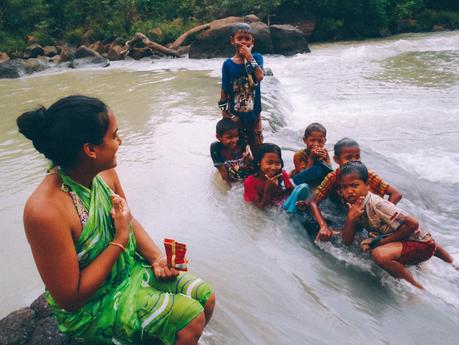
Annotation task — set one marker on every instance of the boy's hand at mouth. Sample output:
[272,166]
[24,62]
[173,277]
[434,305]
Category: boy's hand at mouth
[356,209]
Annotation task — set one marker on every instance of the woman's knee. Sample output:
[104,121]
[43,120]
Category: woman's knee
[191,333]
[378,256]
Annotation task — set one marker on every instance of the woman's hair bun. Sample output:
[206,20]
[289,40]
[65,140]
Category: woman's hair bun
[32,123]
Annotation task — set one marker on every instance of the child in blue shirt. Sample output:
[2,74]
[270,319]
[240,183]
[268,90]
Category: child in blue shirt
[240,97]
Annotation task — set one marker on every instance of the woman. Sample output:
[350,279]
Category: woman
[106,280]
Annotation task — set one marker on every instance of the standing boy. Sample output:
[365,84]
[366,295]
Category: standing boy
[399,240]
[240,97]
[313,163]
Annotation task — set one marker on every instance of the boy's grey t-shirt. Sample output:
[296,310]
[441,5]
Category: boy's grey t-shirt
[384,217]
[245,101]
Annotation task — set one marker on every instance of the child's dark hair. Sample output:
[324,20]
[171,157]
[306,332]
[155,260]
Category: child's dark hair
[225,125]
[60,131]
[315,127]
[341,144]
[355,168]
[264,149]
[237,27]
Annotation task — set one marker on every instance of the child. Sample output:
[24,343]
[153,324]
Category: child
[270,184]
[400,240]
[240,97]
[313,163]
[345,150]
[227,155]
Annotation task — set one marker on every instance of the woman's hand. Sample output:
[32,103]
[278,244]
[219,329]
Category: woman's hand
[121,216]
[162,271]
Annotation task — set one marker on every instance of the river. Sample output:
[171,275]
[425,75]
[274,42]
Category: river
[398,97]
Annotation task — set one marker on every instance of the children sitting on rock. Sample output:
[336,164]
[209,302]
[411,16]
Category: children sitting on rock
[240,98]
[345,150]
[232,161]
[398,240]
[313,163]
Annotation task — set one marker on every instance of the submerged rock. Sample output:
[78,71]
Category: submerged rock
[17,67]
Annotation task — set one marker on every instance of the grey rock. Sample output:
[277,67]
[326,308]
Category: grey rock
[288,40]
[8,70]
[41,307]
[17,327]
[268,71]
[33,51]
[90,62]
[84,52]
[47,333]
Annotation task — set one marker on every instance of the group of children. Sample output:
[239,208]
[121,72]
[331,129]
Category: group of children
[395,237]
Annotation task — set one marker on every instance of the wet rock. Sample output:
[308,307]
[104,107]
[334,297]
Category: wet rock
[17,327]
[98,47]
[215,41]
[92,61]
[50,51]
[139,53]
[66,53]
[268,72]
[33,65]
[8,70]
[33,51]
[288,40]
[84,52]
[46,332]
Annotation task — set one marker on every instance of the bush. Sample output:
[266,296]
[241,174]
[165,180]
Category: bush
[10,43]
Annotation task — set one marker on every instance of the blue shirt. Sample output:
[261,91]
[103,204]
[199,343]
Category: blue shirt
[245,101]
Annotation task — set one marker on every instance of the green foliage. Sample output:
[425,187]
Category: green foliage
[78,21]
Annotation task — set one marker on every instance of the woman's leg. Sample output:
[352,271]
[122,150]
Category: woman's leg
[190,334]
[386,257]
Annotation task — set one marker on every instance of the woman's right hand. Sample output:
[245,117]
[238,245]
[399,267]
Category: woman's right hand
[121,216]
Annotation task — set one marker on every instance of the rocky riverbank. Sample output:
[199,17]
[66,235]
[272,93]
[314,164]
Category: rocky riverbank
[205,41]
[33,325]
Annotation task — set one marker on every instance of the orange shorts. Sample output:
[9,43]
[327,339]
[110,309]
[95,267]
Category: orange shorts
[415,252]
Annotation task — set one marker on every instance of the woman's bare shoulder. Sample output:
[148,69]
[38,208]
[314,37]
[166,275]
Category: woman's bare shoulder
[48,204]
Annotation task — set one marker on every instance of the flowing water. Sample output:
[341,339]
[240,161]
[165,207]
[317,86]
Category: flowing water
[398,97]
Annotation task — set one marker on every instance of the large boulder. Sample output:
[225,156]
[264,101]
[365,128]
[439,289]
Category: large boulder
[84,52]
[288,40]
[215,41]
[85,57]
[50,51]
[17,327]
[46,332]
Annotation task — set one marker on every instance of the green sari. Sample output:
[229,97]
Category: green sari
[131,306]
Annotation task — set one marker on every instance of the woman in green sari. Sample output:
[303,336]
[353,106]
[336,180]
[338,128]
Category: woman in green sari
[106,280]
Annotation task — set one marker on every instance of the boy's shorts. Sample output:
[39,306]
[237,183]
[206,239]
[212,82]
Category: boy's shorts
[416,252]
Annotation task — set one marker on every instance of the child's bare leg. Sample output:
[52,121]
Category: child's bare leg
[441,253]
[385,256]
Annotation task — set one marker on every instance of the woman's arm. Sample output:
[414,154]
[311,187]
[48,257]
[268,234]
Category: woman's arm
[53,249]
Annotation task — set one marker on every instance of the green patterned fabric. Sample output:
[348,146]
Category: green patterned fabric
[131,306]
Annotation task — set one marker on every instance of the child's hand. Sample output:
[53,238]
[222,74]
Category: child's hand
[245,51]
[356,210]
[302,205]
[365,244]
[272,181]
[320,152]
[325,233]
[247,156]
